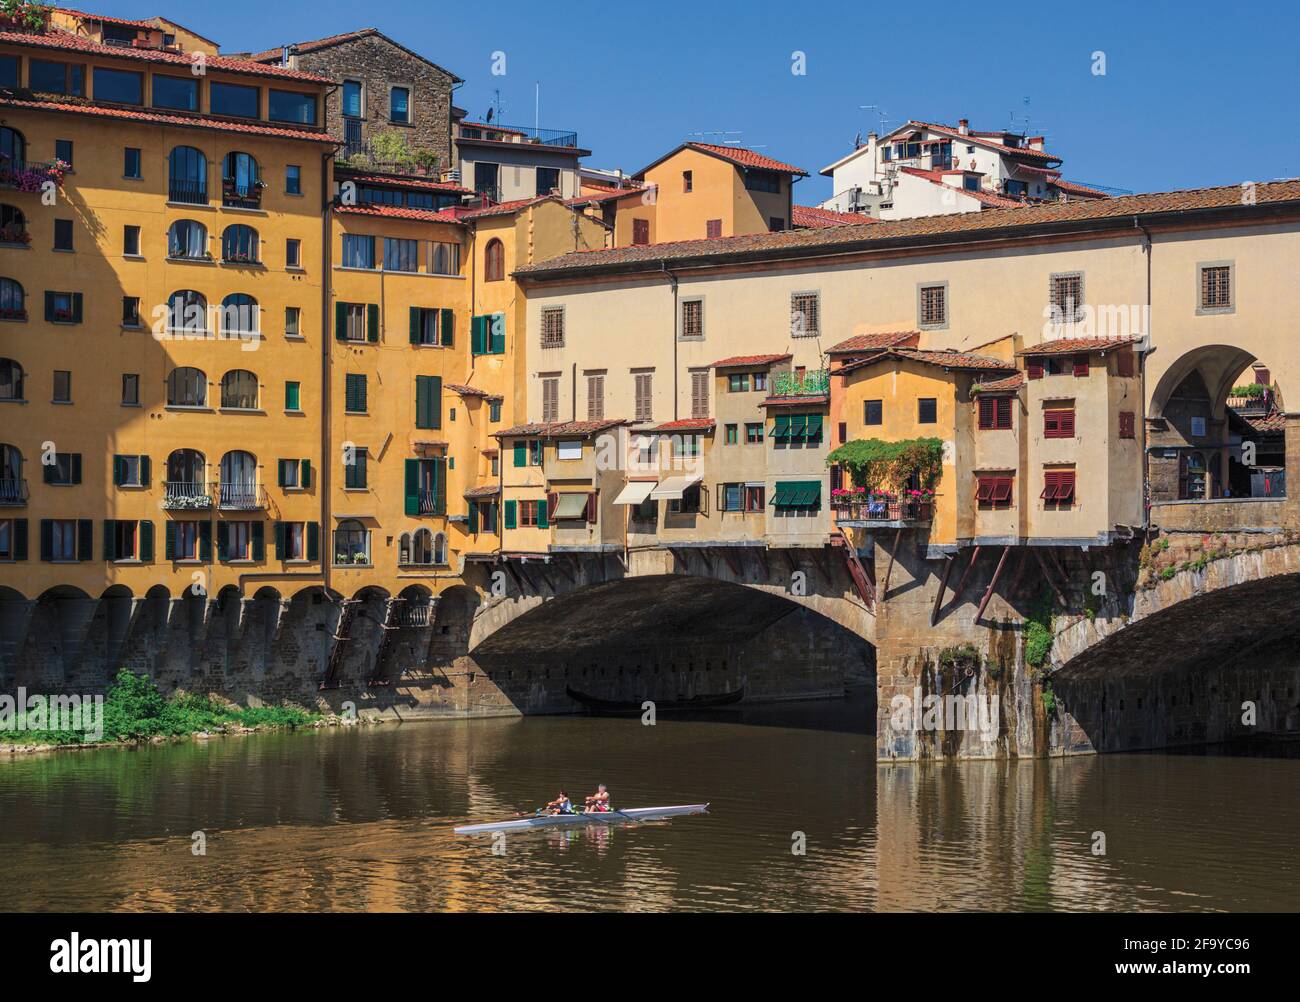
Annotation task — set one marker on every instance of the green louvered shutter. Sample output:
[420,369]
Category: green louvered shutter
[205,540]
[20,539]
[304,474]
[497,345]
[47,539]
[372,322]
[478,336]
[521,453]
[412,487]
[222,547]
[146,541]
[440,486]
[169,540]
[542,522]
[473,518]
[85,539]
[49,306]
[415,325]
[259,540]
[146,471]
[447,323]
[512,518]
[313,540]
[110,539]
[76,307]
[277,529]
[340,321]
[428,401]
[119,470]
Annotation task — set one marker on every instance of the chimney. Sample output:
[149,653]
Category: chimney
[963,126]
[1034,142]
[286,55]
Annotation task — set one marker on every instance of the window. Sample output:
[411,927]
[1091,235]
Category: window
[188,313]
[1127,425]
[399,105]
[131,163]
[494,415]
[61,536]
[685,446]
[131,471]
[189,541]
[292,395]
[763,180]
[63,234]
[187,176]
[293,253]
[754,496]
[644,382]
[713,228]
[239,390]
[797,499]
[131,311]
[13,147]
[187,239]
[640,231]
[240,315]
[775,224]
[176,93]
[187,387]
[690,502]
[63,307]
[494,261]
[8,71]
[760,381]
[11,547]
[291,106]
[428,402]
[699,394]
[873,412]
[293,186]
[688,180]
[288,473]
[1058,489]
[993,491]
[596,397]
[692,318]
[354,321]
[236,540]
[65,470]
[569,450]
[354,393]
[432,326]
[354,472]
[358,251]
[1066,297]
[733,434]
[351,98]
[63,150]
[131,241]
[444,258]
[240,245]
[738,382]
[797,429]
[994,412]
[46,77]
[805,320]
[62,386]
[130,389]
[932,305]
[532,514]
[234,100]
[550,398]
[553,327]
[401,255]
[118,86]
[292,321]
[926,410]
[1216,288]
[1198,427]
[12,306]
[548,180]
[11,380]
[1058,423]
[753,433]
[291,540]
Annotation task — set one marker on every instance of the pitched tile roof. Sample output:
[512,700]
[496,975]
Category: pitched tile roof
[608,195]
[686,424]
[987,198]
[1012,382]
[485,491]
[554,429]
[943,359]
[472,391]
[815,216]
[54,38]
[747,158]
[402,181]
[347,36]
[734,360]
[865,342]
[399,212]
[166,118]
[1076,345]
[1074,188]
[101,17]
[981,139]
[1102,213]
[506,208]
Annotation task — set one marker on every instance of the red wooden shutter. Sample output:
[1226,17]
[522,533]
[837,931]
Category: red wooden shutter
[987,415]
[1067,424]
[1126,424]
[591,508]
[1003,419]
[1035,368]
[1080,365]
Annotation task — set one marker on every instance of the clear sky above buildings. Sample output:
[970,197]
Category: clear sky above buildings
[1192,94]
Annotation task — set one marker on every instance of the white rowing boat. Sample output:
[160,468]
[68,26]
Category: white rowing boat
[629,815]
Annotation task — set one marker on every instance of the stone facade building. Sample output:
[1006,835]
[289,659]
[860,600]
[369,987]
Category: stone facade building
[382,86]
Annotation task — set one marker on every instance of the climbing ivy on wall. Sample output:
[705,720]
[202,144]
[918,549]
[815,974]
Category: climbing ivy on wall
[875,463]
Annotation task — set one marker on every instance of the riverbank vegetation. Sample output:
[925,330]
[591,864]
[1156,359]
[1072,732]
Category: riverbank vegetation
[135,711]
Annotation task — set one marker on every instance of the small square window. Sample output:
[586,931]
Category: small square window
[292,321]
[63,234]
[62,386]
[130,389]
[292,396]
[753,434]
[873,412]
[733,434]
[927,410]
[293,253]
[63,150]
[130,311]
[131,241]
[399,105]
[292,179]
[131,163]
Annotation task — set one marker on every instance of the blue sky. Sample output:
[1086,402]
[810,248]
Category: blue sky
[1193,94]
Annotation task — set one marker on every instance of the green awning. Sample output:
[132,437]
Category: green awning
[797,493]
[781,430]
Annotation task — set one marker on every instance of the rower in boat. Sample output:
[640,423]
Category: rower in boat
[598,802]
[560,805]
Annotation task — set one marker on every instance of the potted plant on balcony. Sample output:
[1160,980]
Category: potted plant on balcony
[893,469]
[23,15]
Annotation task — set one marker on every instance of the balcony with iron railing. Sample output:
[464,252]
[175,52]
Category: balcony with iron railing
[427,500]
[815,383]
[240,496]
[565,138]
[187,495]
[858,506]
[187,192]
[13,493]
[30,175]
[241,194]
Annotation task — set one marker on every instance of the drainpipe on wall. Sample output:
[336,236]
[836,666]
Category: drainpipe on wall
[1142,375]
[327,337]
[673,279]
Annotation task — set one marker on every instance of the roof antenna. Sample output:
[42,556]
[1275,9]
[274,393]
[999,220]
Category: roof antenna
[880,114]
[721,137]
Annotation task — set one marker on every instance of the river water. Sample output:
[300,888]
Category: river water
[360,819]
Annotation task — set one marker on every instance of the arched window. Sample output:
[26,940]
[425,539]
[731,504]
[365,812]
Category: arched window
[13,150]
[495,260]
[187,387]
[11,380]
[241,179]
[186,475]
[238,480]
[12,489]
[187,239]
[440,549]
[13,226]
[351,543]
[12,304]
[239,245]
[422,547]
[239,390]
[404,548]
[187,176]
[187,312]
[240,314]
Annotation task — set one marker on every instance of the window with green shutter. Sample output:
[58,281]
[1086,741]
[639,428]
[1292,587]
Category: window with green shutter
[428,401]
[521,453]
[372,322]
[478,336]
[354,393]
[497,334]
[354,473]
[511,514]
[292,396]
[542,522]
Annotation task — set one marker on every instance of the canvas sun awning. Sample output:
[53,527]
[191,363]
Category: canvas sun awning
[797,493]
[635,492]
[571,506]
[673,488]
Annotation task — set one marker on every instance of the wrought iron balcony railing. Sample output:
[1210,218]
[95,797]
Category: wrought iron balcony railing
[881,508]
[241,496]
[807,384]
[188,192]
[245,195]
[186,495]
[13,493]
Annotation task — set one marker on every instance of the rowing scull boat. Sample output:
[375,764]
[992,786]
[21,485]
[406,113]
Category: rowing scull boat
[635,814]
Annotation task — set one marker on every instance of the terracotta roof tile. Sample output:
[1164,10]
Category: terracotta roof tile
[54,38]
[1011,382]
[399,212]
[798,400]
[944,359]
[814,216]
[467,391]
[866,342]
[1049,217]
[485,491]
[1074,188]
[402,181]
[506,208]
[988,198]
[1075,345]
[735,360]
[686,424]
[165,118]
[555,429]
[747,158]
[983,139]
